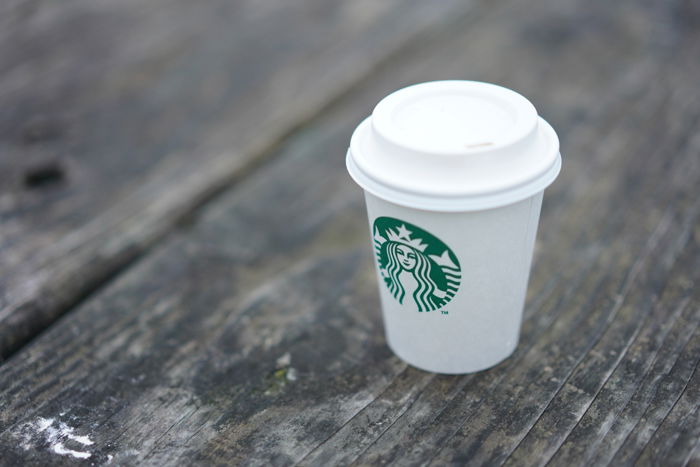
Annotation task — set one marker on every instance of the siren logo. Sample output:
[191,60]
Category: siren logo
[416,266]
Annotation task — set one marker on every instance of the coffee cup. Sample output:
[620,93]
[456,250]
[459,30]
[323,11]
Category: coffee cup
[453,174]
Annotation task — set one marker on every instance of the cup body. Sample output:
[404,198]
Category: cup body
[460,311]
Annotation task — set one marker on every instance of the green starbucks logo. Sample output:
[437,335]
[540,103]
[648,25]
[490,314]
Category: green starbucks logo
[414,264]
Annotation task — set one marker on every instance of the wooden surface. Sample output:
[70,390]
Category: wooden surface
[145,112]
[216,282]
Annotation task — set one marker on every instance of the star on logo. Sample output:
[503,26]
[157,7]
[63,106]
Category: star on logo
[378,237]
[403,235]
[403,232]
[444,260]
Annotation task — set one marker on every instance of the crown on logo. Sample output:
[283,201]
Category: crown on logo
[403,235]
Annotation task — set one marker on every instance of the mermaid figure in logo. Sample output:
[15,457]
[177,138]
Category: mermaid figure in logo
[404,260]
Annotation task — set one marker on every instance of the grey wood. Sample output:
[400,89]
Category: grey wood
[253,336]
[119,118]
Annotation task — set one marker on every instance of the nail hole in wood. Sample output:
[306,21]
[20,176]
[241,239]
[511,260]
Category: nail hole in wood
[44,175]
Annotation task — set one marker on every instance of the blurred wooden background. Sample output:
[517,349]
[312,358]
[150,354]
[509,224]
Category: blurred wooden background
[185,267]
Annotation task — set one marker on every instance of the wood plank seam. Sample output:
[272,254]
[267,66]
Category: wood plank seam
[649,367]
[685,343]
[680,394]
[686,415]
[204,195]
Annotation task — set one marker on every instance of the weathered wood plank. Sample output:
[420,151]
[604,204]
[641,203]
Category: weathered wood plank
[118,119]
[675,439]
[672,386]
[253,335]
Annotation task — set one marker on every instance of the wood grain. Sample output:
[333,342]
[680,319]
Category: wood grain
[121,118]
[253,335]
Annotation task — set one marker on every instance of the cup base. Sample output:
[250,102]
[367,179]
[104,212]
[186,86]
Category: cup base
[452,368]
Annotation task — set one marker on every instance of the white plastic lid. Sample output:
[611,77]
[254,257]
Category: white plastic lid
[454,146]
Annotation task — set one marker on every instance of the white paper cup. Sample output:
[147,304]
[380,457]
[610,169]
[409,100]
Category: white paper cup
[453,173]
